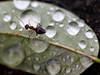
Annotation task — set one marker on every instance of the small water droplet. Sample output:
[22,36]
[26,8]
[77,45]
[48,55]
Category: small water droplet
[68,70]
[53,67]
[51,24]
[92,49]
[36,58]
[36,67]
[13,56]
[61,25]
[38,46]
[58,16]
[81,23]
[21,29]
[50,31]
[21,4]
[96,40]
[82,44]
[34,4]
[89,34]
[52,8]
[13,26]
[7,17]
[30,17]
[73,28]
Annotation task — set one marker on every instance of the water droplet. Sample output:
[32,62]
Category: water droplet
[36,58]
[81,23]
[50,31]
[61,25]
[73,28]
[38,46]
[58,16]
[51,24]
[53,67]
[96,40]
[21,4]
[92,49]
[34,4]
[89,34]
[30,17]
[86,62]
[13,55]
[7,17]
[68,70]
[13,26]
[21,29]
[52,8]
[36,67]
[82,44]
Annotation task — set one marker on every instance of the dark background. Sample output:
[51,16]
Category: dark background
[89,10]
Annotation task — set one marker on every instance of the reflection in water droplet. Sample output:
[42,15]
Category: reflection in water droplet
[68,70]
[30,17]
[38,46]
[61,25]
[34,4]
[36,58]
[13,55]
[21,4]
[51,24]
[50,31]
[73,28]
[92,49]
[58,16]
[13,26]
[89,34]
[7,17]
[82,44]
[36,67]
[53,67]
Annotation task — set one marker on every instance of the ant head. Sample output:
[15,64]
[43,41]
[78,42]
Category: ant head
[26,26]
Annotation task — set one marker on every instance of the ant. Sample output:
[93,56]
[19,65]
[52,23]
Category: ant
[38,29]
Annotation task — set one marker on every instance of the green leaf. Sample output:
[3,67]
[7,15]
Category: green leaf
[67,48]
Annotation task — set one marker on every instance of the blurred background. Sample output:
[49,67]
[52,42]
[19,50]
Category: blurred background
[89,11]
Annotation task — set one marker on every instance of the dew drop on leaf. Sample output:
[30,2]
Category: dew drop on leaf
[53,67]
[50,31]
[89,34]
[73,28]
[21,4]
[30,17]
[13,26]
[38,46]
[13,55]
[7,17]
[34,4]
[58,16]
[82,44]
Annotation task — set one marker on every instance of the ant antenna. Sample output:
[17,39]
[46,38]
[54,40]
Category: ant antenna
[19,19]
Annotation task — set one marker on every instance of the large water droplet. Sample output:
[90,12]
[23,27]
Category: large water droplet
[13,55]
[21,4]
[38,46]
[50,31]
[36,67]
[53,67]
[68,70]
[34,4]
[73,28]
[30,17]
[7,17]
[13,26]
[89,34]
[82,44]
[58,16]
